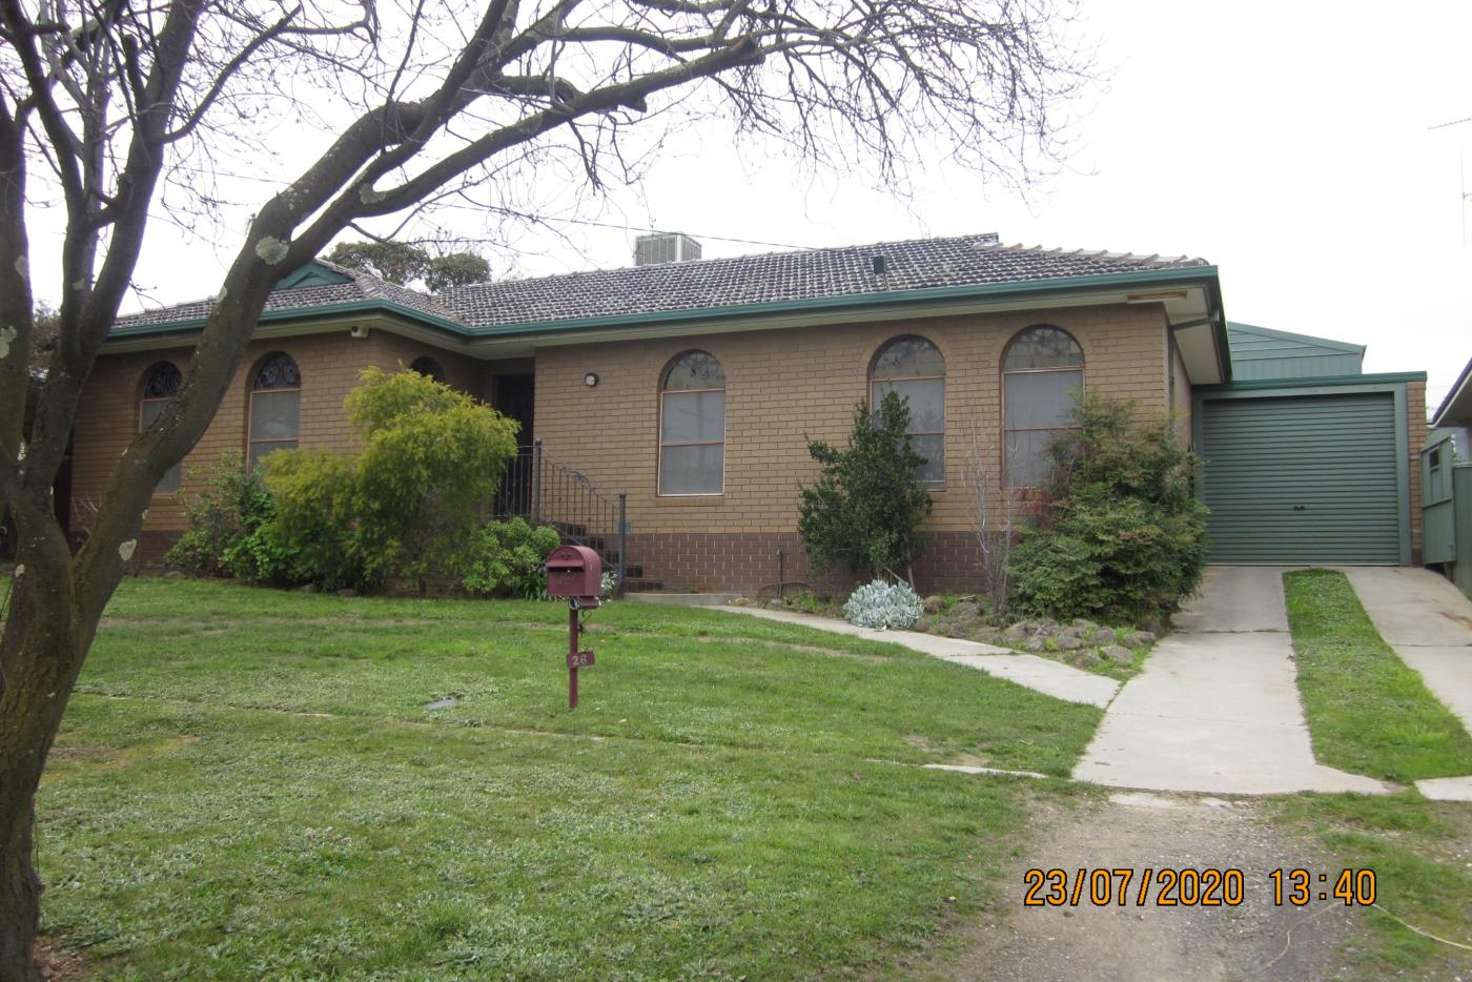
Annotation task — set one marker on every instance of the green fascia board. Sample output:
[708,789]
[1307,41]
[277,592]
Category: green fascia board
[1288,384]
[1060,285]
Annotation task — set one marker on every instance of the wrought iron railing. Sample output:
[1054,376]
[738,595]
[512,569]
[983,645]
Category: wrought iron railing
[548,493]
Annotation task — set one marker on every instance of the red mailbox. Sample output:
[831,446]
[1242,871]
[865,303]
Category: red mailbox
[575,571]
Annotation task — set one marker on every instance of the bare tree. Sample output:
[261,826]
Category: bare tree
[995,510]
[117,113]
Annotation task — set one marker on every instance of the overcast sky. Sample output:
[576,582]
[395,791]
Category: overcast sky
[1288,143]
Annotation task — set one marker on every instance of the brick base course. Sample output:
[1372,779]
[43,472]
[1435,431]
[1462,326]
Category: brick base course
[747,562]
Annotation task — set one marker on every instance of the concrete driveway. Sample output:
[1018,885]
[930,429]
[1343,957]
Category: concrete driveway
[1216,708]
[1428,622]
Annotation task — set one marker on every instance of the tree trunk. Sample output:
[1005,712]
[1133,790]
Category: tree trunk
[41,651]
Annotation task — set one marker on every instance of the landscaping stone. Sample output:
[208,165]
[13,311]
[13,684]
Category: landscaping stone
[1069,642]
[1117,653]
[1036,644]
[1015,633]
[925,623]
[933,604]
[966,611]
[1145,638]
[1105,635]
[309,588]
[347,592]
[1087,659]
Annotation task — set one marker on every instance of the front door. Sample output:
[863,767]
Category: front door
[515,398]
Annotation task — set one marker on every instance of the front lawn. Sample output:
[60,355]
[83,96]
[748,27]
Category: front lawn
[252,783]
[1368,712]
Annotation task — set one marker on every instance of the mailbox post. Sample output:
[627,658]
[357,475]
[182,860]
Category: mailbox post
[575,572]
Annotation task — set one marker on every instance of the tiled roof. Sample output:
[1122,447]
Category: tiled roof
[360,287]
[918,264]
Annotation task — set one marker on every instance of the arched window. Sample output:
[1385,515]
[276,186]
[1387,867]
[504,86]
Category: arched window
[160,384]
[1042,374]
[275,407]
[428,367]
[692,426]
[914,368]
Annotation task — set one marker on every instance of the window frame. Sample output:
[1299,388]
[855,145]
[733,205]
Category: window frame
[941,378]
[1081,368]
[661,444]
[177,471]
[250,407]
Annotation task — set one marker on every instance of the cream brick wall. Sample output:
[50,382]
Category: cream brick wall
[330,365]
[786,386]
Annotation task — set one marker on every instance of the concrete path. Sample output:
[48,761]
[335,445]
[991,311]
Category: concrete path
[1041,674]
[1216,709]
[1428,622]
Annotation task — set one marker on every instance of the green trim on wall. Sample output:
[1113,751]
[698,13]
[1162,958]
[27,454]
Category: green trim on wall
[1298,386]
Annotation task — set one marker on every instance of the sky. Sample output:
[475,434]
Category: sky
[1288,143]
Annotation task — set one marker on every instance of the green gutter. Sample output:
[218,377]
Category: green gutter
[1068,284]
[1308,383]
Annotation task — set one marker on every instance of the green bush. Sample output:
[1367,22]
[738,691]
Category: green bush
[229,531]
[1122,537]
[316,513]
[865,510]
[407,505]
[506,559]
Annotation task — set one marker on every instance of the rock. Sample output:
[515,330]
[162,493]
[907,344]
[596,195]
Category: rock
[1072,631]
[925,624]
[1086,659]
[966,611]
[347,592]
[1016,632]
[1036,644]
[309,588]
[1145,638]
[1084,623]
[175,574]
[951,629]
[1069,643]
[1105,635]
[933,604]
[1115,653]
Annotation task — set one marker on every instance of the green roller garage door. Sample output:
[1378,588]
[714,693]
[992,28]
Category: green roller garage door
[1304,479]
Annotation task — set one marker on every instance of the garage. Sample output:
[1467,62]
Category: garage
[1304,472]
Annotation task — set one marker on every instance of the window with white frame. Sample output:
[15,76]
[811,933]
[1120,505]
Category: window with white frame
[275,407]
[692,426]
[1042,375]
[160,384]
[914,368]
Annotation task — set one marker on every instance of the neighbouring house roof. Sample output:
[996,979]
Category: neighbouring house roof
[1456,408]
[1260,353]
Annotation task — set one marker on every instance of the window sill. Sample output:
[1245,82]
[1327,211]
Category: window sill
[690,500]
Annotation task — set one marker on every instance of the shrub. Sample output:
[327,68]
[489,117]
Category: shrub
[431,457]
[1122,536]
[507,559]
[407,505]
[883,605]
[229,527]
[865,510]
[316,508]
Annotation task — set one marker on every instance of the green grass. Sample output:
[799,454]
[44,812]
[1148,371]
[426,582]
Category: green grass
[1368,712]
[1423,870]
[249,784]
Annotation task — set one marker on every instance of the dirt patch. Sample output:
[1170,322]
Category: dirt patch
[57,964]
[1256,940]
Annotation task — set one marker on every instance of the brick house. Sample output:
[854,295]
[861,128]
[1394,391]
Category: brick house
[692,387]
